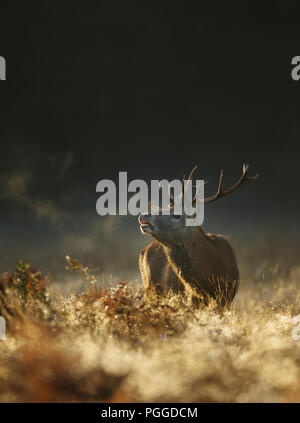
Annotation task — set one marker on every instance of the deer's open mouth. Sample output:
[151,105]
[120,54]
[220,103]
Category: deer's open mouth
[146,228]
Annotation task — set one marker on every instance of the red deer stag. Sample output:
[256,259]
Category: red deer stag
[186,259]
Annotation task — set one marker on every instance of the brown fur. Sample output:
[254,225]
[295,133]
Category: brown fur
[156,270]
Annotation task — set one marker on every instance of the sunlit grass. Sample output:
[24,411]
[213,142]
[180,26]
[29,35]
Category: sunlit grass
[115,346]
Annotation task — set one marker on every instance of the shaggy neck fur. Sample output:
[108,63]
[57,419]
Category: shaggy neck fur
[185,258]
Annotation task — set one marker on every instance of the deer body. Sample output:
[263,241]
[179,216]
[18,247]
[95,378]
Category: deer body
[203,265]
[185,258]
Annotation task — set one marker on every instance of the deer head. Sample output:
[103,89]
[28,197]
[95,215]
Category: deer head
[172,227]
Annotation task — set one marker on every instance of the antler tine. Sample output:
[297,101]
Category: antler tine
[172,199]
[192,172]
[220,187]
[198,188]
[193,186]
[189,179]
[220,193]
[245,170]
[181,196]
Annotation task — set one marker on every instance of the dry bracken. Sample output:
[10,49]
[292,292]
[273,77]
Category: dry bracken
[113,346]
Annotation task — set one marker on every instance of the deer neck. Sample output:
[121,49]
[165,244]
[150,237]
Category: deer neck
[185,256]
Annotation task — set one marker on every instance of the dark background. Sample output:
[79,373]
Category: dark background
[152,88]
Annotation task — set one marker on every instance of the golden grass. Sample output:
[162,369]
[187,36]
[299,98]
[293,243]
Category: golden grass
[112,346]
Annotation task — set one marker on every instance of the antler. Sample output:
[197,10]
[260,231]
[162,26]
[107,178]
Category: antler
[221,193]
[181,196]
